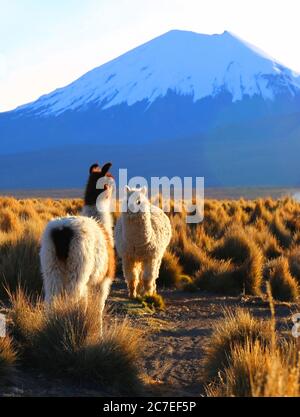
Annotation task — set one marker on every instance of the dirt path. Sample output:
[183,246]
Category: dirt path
[177,339]
[179,336]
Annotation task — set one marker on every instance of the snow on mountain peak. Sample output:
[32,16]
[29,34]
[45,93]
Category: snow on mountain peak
[186,63]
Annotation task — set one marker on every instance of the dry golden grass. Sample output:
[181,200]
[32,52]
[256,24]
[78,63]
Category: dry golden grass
[21,225]
[245,273]
[240,247]
[280,231]
[183,246]
[226,253]
[20,260]
[283,286]
[267,242]
[154,302]
[26,316]
[170,271]
[257,362]
[294,263]
[260,212]
[9,221]
[258,371]
[236,329]
[64,341]
[8,358]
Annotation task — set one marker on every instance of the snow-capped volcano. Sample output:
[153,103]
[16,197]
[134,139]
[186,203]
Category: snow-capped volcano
[181,104]
[185,63]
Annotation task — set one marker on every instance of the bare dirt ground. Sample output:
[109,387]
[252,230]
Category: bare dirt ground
[179,336]
[176,341]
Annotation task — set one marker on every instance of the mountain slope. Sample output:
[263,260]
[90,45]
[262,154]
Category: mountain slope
[186,63]
[217,106]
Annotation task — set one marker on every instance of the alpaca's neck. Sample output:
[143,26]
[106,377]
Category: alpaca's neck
[103,215]
[137,229]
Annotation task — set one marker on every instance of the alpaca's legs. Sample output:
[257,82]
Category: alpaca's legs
[149,276]
[52,288]
[104,291]
[140,286]
[97,296]
[156,273]
[137,271]
[77,290]
[131,273]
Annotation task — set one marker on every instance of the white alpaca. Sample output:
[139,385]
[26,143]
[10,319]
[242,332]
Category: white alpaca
[77,257]
[142,234]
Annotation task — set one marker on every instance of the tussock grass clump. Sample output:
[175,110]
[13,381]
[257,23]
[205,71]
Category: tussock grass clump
[296,239]
[216,220]
[190,258]
[240,268]
[270,204]
[293,224]
[189,254]
[294,263]
[201,239]
[260,212]
[265,240]
[64,340]
[258,371]
[280,376]
[8,358]
[66,328]
[217,276]
[71,207]
[170,271]
[234,246]
[259,363]
[235,329]
[282,234]
[27,213]
[20,262]
[191,244]
[27,319]
[114,361]
[9,202]
[9,221]
[154,302]
[248,362]
[187,284]
[283,286]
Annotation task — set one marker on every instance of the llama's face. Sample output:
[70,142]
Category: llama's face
[106,194]
[136,201]
[93,187]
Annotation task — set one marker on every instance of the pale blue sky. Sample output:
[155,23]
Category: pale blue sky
[47,44]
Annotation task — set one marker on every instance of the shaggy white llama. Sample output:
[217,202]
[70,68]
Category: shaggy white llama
[77,258]
[142,234]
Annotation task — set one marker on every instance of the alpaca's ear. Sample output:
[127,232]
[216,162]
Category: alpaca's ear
[106,168]
[127,189]
[144,190]
[94,168]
